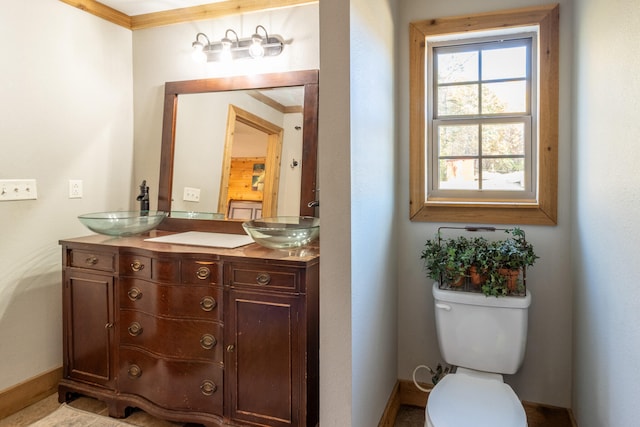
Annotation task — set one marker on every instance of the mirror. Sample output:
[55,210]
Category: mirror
[257,127]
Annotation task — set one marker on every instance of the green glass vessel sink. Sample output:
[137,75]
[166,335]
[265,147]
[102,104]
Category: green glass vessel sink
[283,232]
[122,223]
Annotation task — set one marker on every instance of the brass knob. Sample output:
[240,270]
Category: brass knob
[108,325]
[136,265]
[134,371]
[203,273]
[263,279]
[208,303]
[208,341]
[231,348]
[208,387]
[92,260]
[135,329]
[134,294]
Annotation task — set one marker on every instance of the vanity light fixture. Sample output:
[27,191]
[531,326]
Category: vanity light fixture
[255,46]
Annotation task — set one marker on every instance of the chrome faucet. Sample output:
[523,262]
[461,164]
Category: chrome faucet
[143,197]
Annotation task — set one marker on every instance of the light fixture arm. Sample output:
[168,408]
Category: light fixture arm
[226,36]
[199,42]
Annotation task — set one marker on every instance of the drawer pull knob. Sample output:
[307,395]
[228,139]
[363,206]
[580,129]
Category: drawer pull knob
[208,303]
[92,260]
[136,265]
[208,341]
[134,371]
[208,387]
[231,348]
[135,329]
[108,325]
[263,279]
[134,294]
[203,273]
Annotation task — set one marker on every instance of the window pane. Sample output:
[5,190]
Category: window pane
[507,63]
[458,174]
[457,67]
[503,139]
[504,97]
[458,100]
[458,140]
[503,174]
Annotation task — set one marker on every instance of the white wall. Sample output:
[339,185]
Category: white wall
[358,154]
[66,114]
[546,374]
[606,206]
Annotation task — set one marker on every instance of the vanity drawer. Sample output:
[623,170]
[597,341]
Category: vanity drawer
[183,338]
[195,271]
[265,277]
[195,301]
[171,384]
[93,260]
[144,267]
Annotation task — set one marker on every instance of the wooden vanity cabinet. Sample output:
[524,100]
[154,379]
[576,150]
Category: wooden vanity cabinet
[211,336]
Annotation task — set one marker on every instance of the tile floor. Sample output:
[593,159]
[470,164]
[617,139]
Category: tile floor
[407,417]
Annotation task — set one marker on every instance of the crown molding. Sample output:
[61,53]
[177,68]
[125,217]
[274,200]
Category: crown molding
[176,16]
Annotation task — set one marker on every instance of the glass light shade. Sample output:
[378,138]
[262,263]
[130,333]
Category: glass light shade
[198,54]
[256,50]
[225,55]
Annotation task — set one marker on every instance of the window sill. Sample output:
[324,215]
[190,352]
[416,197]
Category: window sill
[485,213]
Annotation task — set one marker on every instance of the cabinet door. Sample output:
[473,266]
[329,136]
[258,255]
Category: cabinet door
[264,359]
[89,327]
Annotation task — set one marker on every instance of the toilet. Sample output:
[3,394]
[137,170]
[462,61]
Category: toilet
[484,338]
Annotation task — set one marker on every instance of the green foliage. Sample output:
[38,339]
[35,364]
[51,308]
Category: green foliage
[448,259]
[445,258]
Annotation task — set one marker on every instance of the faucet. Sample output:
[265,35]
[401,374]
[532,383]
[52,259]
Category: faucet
[143,197]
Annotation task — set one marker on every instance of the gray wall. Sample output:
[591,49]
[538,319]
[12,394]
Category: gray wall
[66,79]
[606,206]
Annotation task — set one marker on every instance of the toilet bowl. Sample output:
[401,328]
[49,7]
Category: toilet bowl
[474,399]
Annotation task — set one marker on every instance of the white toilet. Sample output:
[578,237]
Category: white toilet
[484,337]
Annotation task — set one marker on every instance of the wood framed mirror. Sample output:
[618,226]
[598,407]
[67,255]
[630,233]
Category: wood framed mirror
[170,186]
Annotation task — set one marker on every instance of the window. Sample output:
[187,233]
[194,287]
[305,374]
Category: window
[483,120]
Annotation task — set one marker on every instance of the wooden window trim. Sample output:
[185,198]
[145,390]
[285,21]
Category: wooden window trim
[544,212]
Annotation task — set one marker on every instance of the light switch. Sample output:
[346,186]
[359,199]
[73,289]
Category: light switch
[18,189]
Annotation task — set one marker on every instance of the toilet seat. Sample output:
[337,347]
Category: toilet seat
[472,398]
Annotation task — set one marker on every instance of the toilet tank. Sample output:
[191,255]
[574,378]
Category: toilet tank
[483,333]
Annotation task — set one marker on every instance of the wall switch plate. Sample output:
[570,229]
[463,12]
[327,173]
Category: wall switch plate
[18,189]
[75,189]
[191,194]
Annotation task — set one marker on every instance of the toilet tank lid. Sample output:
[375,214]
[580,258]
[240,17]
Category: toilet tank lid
[462,400]
[476,298]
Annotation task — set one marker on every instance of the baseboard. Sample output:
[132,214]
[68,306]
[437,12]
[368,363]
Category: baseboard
[403,393]
[406,393]
[28,392]
[391,410]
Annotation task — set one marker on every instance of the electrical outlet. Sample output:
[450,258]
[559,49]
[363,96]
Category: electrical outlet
[18,189]
[191,194]
[75,188]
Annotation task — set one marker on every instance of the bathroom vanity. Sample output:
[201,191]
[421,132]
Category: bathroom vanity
[192,334]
